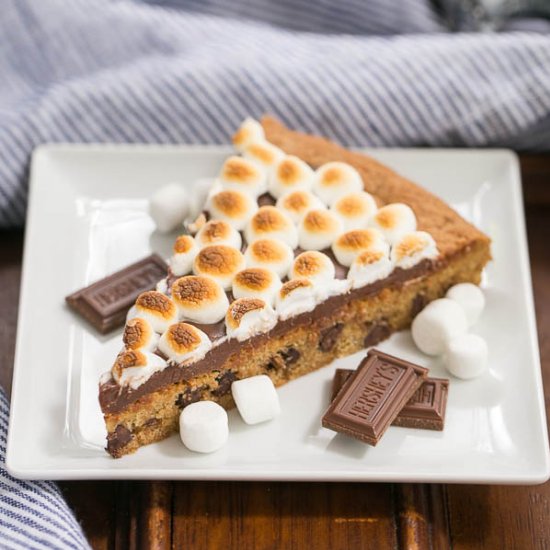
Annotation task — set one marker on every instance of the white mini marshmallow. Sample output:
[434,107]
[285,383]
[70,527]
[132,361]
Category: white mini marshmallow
[133,367]
[394,220]
[264,154]
[334,179]
[183,343]
[411,248]
[313,265]
[297,296]
[271,223]
[436,324]
[243,174]
[471,298]
[250,131]
[256,399]
[157,308]
[351,243]
[247,317]
[197,194]
[355,209]
[466,356]
[139,335]
[234,207]
[199,299]
[168,206]
[257,282]
[271,254]
[185,249]
[219,261]
[218,232]
[204,427]
[298,203]
[318,229]
[368,267]
[290,174]
[162,287]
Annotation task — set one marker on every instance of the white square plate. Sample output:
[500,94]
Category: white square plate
[88,217]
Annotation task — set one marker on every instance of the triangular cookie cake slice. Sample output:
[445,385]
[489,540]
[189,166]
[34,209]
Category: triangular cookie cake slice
[303,252]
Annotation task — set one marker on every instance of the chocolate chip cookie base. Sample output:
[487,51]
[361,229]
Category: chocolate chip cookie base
[354,325]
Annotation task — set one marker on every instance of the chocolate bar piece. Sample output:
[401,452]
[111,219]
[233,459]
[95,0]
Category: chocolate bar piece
[373,396]
[425,409]
[106,302]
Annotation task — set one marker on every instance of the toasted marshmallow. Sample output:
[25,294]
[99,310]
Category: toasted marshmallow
[157,308]
[199,299]
[334,179]
[264,154]
[318,229]
[257,282]
[243,174]
[219,261]
[185,250]
[271,254]
[355,209]
[348,245]
[133,367]
[139,335]
[313,265]
[247,317]
[218,232]
[394,220]
[250,131]
[369,266]
[184,343]
[290,174]
[270,222]
[297,204]
[412,248]
[234,207]
[295,297]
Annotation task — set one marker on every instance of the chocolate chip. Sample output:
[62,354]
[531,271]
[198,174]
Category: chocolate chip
[118,439]
[224,381]
[290,355]
[419,303]
[376,332]
[328,338]
[190,395]
[151,422]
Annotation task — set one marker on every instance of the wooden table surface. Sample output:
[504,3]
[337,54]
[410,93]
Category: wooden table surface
[121,515]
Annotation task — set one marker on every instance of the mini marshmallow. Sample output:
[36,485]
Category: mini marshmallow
[271,223]
[247,317]
[290,174]
[168,206]
[355,209]
[394,220]
[133,367]
[334,179]
[199,299]
[257,282]
[197,195]
[234,207]
[436,324]
[318,229]
[271,254]
[219,261]
[250,131]
[369,266]
[218,232]
[256,399]
[295,297]
[313,265]
[204,427]
[162,287]
[264,154]
[242,174]
[158,309]
[297,204]
[412,248]
[470,297]
[139,335]
[466,356]
[183,343]
[185,250]
[348,245]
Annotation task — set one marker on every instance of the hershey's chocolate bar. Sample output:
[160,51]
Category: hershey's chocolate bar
[373,396]
[425,409]
[106,302]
